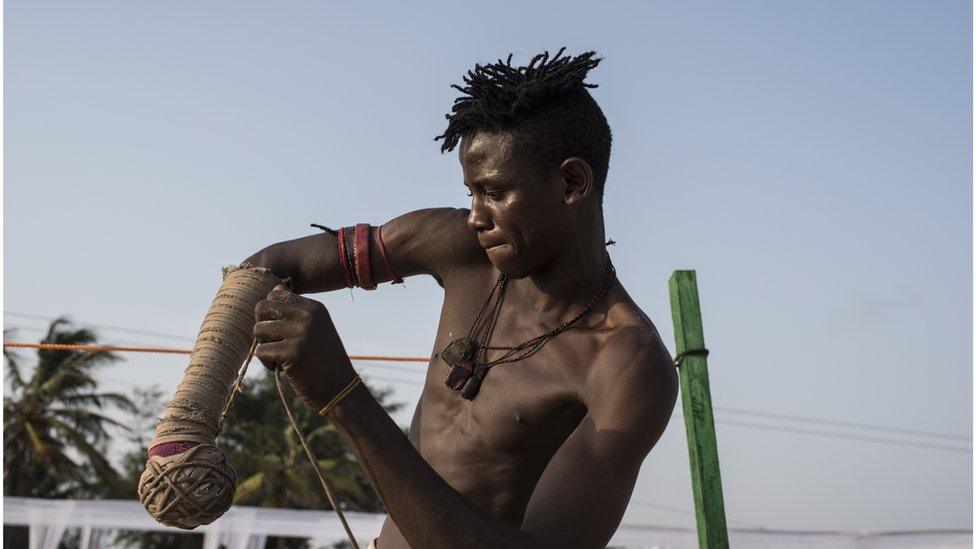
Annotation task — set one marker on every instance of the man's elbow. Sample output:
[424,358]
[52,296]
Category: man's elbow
[268,258]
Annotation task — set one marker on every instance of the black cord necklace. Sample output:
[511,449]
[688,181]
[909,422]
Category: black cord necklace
[468,358]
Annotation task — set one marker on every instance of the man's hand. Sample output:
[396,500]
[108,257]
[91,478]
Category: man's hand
[296,335]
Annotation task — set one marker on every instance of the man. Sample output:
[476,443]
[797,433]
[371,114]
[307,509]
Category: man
[543,448]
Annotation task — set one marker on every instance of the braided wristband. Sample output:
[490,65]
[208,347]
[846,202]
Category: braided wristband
[356,382]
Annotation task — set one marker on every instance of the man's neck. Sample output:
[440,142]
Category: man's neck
[569,282]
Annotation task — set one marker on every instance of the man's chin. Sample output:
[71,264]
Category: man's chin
[509,267]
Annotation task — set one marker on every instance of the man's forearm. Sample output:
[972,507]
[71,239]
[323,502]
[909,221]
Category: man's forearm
[427,510]
[312,263]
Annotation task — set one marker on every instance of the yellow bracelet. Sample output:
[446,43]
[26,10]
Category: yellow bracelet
[356,382]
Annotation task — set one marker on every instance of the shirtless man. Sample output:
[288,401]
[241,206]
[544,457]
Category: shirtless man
[547,452]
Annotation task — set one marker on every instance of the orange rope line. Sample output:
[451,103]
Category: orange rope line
[94,348]
[163,350]
[380,358]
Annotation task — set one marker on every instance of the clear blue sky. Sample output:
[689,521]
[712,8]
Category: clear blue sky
[812,161]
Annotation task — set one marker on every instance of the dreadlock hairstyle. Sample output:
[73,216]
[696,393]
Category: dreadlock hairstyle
[546,105]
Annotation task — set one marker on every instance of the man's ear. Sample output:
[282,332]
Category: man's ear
[577,178]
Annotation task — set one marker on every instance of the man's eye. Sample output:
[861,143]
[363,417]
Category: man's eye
[495,195]
[469,193]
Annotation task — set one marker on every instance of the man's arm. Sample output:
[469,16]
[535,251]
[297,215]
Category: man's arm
[431,241]
[583,492]
[585,489]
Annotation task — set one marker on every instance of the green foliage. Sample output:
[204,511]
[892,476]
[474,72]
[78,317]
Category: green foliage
[55,426]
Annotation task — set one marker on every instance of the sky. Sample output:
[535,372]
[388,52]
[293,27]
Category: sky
[811,161]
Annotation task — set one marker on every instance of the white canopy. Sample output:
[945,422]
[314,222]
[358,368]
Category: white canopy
[247,528]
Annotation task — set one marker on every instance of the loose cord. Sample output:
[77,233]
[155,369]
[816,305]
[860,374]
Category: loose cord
[239,386]
[314,460]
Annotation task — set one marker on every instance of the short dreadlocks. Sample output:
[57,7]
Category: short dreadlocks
[546,104]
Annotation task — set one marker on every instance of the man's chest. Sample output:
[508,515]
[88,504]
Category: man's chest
[520,405]
[525,406]
[523,410]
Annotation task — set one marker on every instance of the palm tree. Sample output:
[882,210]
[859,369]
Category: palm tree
[55,428]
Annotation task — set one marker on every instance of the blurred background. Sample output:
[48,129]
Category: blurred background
[811,161]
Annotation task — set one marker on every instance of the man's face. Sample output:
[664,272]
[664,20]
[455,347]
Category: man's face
[517,209]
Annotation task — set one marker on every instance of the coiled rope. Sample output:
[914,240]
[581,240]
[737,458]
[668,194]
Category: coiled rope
[188,481]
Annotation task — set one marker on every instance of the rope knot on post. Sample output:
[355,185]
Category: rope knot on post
[689,352]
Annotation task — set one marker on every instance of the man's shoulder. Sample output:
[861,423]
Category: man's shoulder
[634,343]
[633,362]
[630,332]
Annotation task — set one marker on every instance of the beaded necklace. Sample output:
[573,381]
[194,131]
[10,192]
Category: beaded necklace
[468,358]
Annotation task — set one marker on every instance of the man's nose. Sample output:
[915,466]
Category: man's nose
[477,218]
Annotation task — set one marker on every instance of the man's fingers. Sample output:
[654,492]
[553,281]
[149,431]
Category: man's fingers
[281,294]
[266,331]
[267,309]
[272,354]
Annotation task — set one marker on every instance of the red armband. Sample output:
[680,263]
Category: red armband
[354,256]
[364,272]
[346,274]
[386,260]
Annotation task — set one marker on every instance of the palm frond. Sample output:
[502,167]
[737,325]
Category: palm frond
[13,367]
[60,331]
[82,417]
[64,379]
[39,442]
[100,400]
[301,490]
[250,490]
[319,431]
[73,374]
[87,360]
[94,455]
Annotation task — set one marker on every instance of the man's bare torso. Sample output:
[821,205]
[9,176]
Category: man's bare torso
[495,448]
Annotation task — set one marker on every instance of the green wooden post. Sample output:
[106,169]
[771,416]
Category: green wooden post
[696,401]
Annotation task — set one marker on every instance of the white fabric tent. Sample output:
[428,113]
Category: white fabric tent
[247,528]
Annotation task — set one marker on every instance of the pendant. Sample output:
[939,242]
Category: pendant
[458,350]
[471,387]
[458,355]
[473,384]
[460,374]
